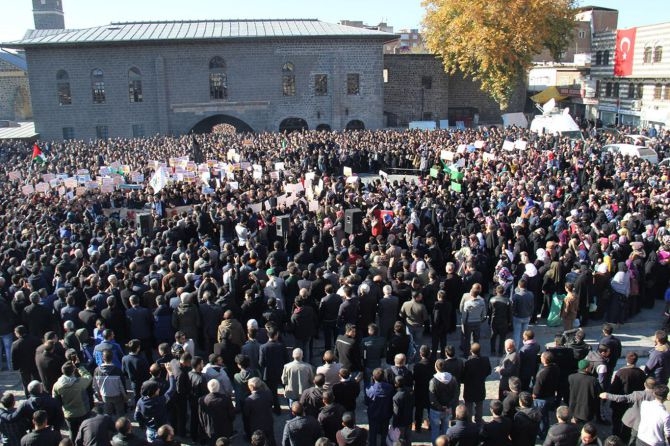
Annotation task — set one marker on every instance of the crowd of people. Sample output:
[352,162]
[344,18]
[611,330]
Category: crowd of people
[221,312]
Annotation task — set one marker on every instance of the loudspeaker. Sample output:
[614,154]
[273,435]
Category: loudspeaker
[282,222]
[144,224]
[353,221]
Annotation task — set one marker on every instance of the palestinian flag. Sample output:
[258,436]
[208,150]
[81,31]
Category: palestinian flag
[38,156]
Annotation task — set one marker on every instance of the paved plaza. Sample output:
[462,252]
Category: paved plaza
[636,335]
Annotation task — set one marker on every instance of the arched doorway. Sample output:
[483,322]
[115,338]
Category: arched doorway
[355,124]
[323,128]
[207,124]
[293,125]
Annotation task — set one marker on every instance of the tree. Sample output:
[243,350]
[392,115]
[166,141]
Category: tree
[493,41]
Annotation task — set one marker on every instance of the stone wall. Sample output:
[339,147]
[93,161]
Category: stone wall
[406,99]
[175,85]
[14,93]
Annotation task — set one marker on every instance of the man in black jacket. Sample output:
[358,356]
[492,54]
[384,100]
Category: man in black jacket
[545,390]
[423,372]
[347,390]
[329,307]
[348,350]
[97,430]
[23,356]
[43,434]
[330,416]
[526,423]
[442,391]
[584,390]
[216,413]
[271,359]
[37,317]
[497,431]
[463,432]
[564,433]
[403,402]
[125,435]
[475,371]
[257,411]
[614,345]
[626,380]
[302,430]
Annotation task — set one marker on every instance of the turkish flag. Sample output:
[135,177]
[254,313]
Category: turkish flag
[623,54]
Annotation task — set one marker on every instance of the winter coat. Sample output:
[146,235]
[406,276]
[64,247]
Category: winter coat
[216,414]
[442,391]
[186,318]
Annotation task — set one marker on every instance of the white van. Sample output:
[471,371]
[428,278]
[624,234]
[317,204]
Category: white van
[632,150]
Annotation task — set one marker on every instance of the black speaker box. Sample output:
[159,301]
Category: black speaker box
[144,224]
[282,222]
[353,221]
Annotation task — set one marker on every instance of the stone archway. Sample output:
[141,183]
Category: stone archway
[207,124]
[355,124]
[293,125]
[323,128]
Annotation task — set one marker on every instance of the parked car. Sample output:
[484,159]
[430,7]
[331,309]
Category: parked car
[633,151]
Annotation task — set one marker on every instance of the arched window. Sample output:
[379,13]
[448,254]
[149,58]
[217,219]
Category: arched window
[63,87]
[658,89]
[599,57]
[631,91]
[135,85]
[640,91]
[288,79]
[218,81]
[615,93]
[608,90]
[647,55]
[98,86]
[658,54]
[606,57]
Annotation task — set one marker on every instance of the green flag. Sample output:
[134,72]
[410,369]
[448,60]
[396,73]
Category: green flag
[456,187]
[434,172]
[456,175]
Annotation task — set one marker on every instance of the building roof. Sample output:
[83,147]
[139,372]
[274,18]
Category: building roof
[20,130]
[197,30]
[594,8]
[18,60]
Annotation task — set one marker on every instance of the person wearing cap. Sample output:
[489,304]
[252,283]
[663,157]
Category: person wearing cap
[584,391]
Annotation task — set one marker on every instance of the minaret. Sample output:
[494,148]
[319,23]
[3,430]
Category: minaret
[48,14]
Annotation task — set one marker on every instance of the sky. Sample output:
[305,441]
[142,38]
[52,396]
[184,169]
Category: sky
[16,16]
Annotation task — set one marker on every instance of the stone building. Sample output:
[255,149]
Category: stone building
[416,88]
[642,97]
[14,89]
[143,78]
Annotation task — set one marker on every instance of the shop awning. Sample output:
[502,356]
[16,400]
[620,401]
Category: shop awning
[549,93]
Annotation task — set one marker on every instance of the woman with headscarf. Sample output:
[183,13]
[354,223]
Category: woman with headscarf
[552,282]
[620,286]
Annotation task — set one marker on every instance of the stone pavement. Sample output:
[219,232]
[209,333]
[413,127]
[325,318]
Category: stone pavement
[635,335]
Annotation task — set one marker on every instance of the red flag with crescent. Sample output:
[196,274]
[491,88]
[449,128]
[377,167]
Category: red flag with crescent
[623,54]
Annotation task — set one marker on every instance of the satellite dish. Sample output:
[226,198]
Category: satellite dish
[549,106]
